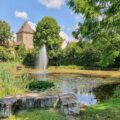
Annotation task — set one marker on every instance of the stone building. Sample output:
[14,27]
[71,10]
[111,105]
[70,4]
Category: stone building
[25,36]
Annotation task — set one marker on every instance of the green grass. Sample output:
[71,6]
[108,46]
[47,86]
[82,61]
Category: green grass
[107,110]
[7,65]
[38,114]
[68,67]
[9,84]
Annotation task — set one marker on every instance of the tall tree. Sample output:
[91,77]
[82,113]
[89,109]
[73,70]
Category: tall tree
[47,32]
[101,25]
[5,32]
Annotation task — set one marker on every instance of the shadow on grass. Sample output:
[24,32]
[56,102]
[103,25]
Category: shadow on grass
[38,114]
[109,110]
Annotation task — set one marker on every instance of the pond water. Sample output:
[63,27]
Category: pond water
[89,90]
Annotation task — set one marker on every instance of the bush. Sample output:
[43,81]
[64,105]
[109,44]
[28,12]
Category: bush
[11,85]
[30,58]
[117,92]
[5,55]
[40,85]
[21,52]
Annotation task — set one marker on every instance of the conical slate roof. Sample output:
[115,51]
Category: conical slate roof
[26,28]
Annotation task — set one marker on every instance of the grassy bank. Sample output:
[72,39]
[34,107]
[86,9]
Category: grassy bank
[77,70]
[9,83]
[108,110]
[62,69]
[38,115]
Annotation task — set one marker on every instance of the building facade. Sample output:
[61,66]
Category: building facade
[25,36]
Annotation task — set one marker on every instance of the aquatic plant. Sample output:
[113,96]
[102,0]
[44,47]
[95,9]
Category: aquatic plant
[40,85]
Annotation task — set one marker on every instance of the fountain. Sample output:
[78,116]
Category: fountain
[42,62]
[42,59]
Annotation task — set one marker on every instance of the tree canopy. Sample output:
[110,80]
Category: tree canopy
[47,32]
[101,26]
[5,32]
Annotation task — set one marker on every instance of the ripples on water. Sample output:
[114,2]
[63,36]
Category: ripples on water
[82,87]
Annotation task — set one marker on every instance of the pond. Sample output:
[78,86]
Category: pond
[89,90]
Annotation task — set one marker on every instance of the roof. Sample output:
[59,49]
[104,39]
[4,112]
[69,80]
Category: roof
[26,28]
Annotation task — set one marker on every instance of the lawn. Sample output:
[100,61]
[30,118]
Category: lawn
[9,85]
[82,71]
[107,110]
[38,114]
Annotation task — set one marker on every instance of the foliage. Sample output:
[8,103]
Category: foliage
[110,54]
[10,85]
[70,54]
[89,57]
[5,55]
[80,53]
[5,32]
[39,114]
[40,85]
[21,52]
[30,58]
[107,110]
[47,32]
[26,57]
[117,92]
[101,25]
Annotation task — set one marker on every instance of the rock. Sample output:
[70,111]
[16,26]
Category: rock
[69,104]
[6,106]
[11,105]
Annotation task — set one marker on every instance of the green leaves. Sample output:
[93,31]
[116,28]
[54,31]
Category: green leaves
[5,55]
[5,32]
[47,32]
[101,26]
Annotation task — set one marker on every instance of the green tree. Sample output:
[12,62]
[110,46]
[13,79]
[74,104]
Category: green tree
[5,32]
[5,55]
[71,53]
[101,25]
[47,32]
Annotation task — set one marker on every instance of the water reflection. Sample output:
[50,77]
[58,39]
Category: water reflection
[83,87]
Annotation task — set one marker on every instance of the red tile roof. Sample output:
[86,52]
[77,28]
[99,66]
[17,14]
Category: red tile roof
[26,28]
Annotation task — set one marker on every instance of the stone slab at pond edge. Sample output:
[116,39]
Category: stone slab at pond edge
[12,104]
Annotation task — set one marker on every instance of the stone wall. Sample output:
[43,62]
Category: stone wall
[67,102]
[28,40]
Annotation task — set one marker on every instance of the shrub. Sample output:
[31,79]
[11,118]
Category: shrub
[40,85]
[21,52]
[117,92]
[5,55]
[30,58]
[11,85]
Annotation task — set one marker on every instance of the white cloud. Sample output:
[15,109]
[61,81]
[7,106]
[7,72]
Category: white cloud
[64,36]
[33,25]
[79,17]
[52,3]
[21,14]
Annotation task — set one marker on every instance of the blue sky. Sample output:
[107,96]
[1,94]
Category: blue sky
[15,12]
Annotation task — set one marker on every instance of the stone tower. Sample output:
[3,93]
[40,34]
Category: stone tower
[25,36]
